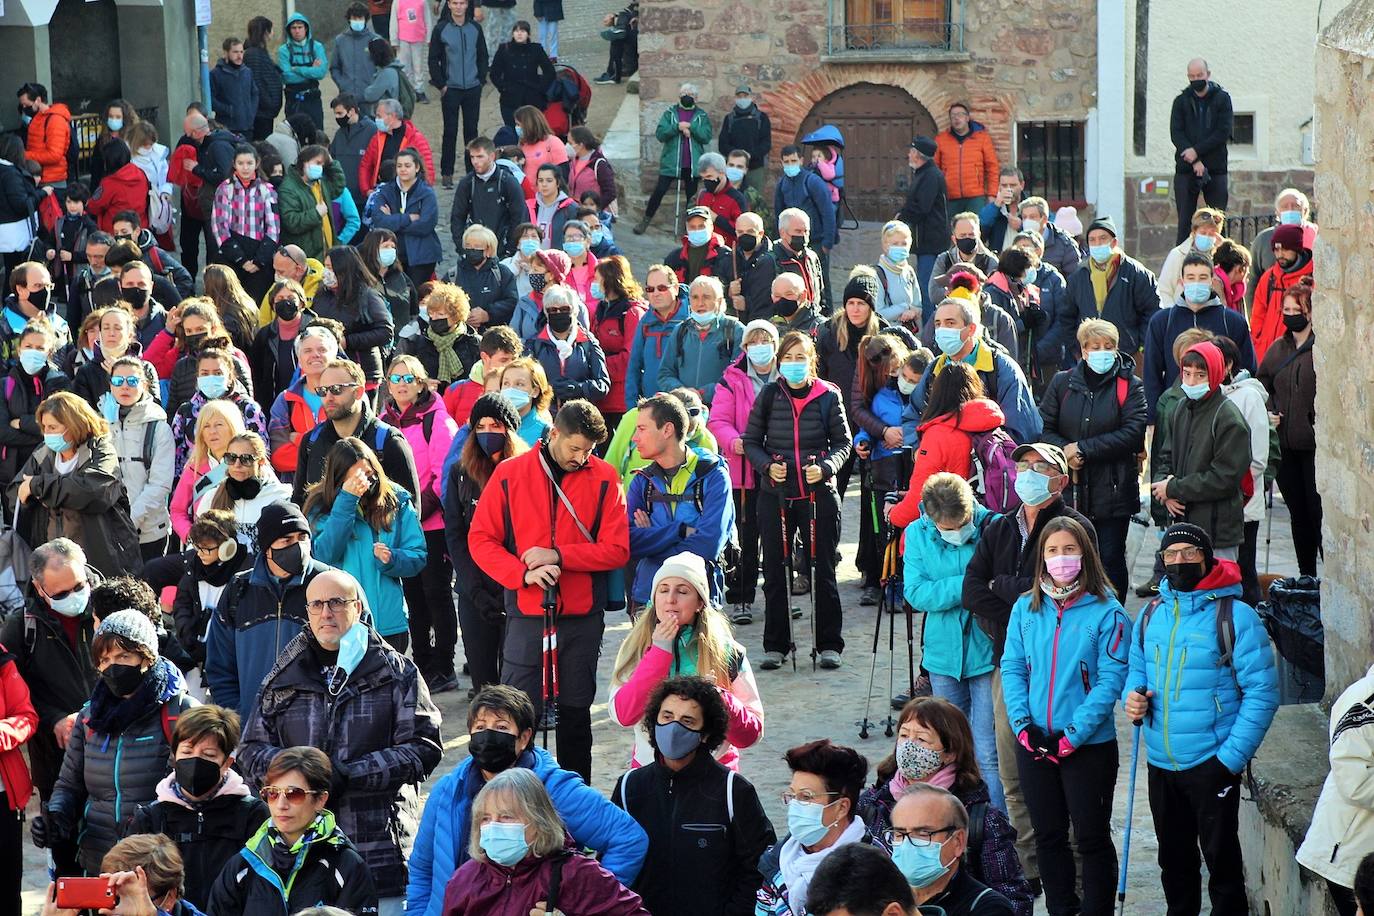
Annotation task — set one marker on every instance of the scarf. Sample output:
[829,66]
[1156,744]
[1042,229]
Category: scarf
[284,858]
[326,220]
[564,347]
[450,364]
[216,574]
[1060,593]
[414,415]
[1103,277]
[111,715]
[943,777]
[797,865]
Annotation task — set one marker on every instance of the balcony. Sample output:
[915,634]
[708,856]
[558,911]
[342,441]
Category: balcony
[895,31]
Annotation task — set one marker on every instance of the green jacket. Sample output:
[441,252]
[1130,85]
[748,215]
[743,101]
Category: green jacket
[1207,455]
[625,458]
[301,223]
[670,159]
[1164,415]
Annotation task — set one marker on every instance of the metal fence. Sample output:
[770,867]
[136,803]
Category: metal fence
[896,36]
[86,129]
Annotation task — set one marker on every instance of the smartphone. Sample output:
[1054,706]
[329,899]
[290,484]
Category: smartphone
[84,894]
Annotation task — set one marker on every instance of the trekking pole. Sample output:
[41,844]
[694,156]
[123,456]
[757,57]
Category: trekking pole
[891,598]
[1130,813]
[910,631]
[787,565]
[811,568]
[548,720]
[873,670]
[1268,524]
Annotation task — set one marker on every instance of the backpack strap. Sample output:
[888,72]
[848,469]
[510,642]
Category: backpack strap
[9,386]
[149,443]
[555,882]
[379,434]
[169,722]
[1143,621]
[730,796]
[1226,632]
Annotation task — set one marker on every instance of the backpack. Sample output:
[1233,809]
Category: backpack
[570,90]
[405,93]
[994,471]
[1226,630]
[149,443]
[726,563]
[726,345]
[378,436]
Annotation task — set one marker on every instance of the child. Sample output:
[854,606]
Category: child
[513,158]
[602,243]
[69,244]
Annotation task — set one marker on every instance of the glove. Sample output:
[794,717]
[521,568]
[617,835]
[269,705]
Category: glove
[38,830]
[1034,317]
[1034,739]
[1062,746]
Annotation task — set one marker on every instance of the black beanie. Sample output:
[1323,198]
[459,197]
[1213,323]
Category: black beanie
[862,286]
[1185,533]
[494,407]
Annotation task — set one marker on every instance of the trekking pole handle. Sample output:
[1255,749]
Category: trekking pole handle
[1142,690]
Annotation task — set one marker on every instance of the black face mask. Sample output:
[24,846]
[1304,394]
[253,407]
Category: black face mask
[195,341]
[440,325]
[197,776]
[474,256]
[559,322]
[1197,85]
[796,242]
[786,306]
[687,101]
[342,122]
[243,489]
[748,243]
[122,680]
[277,181]
[714,186]
[136,296]
[38,298]
[287,308]
[966,246]
[290,558]
[491,750]
[1296,322]
[1184,577]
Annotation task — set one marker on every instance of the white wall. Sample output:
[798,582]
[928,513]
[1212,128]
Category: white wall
[1261,51]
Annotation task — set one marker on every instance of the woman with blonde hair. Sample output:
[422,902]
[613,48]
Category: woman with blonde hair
[681,633]
[525,385]
[237,312]
[70,487]
[218,424]
[489,283]
[249,486]
[440,338]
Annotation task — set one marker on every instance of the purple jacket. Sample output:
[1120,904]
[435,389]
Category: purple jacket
[415,424]
[481,888]
[730,417]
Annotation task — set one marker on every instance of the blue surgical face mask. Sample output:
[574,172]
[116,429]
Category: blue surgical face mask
[575,249]
[73,605]
[114,123]
[1203,242]
[598,236]
[313,171]
[595,290]
[528,247]
[898,253]
[703,318]
[381,124]
[109,408]
[352,645]
[1031,274]
[56,442]
[1192,392]
[949,340]
[33,361]
[504,844]
[1100,361]
[1290,218]
[675,740]
[920,865]
[212,386]
[1033,487]
[806,822]
[386,256]
[906,386]
[791,169]
[519,131]
[519,398]
[357,25]
[1100,253]
[958,536]
[760,354]
[733,174]
[1197,293]
[698,237]
[744,103]
[795,373]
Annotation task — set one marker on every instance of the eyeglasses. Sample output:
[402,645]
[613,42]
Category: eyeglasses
[336,390]
[895,837]
[206,550]
[402,379]
[1186,554]
[1039,467]
[335,605]
[237,458]
[293,794]
[806,796]
[126,381]
[661,288]
[66,593]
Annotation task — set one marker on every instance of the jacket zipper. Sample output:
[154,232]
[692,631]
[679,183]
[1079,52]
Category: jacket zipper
[1054,665]
[1173,631]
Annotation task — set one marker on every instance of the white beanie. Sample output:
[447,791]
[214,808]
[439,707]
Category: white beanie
[1066,218]
[687,566]
[761,324]
[133,626]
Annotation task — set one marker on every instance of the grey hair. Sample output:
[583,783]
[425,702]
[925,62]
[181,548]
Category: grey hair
[58,553]
[316,330]
[794,213]
[1038,203]
[713,283]
[691,400]
[965,307]
[578,225]
[531,798]
[753,219]
[392,107]
[1294,192]
[689,89]
[793,278]
[958,814]
[711,161]
[947,498]
[562,294]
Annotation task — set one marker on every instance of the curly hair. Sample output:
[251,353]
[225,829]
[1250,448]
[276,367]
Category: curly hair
[715,718]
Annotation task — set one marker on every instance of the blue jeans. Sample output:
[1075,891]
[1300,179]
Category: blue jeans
[973,695]
[548,36]
[925,266]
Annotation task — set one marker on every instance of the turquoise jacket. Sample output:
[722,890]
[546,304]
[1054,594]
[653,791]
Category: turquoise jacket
[297,59]
[933,573]
[344,539]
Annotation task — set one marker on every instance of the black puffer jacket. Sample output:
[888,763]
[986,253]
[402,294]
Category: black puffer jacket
[490,287]
[797,431]
[1105,415]
[841,365]
[267,75]
[19,196]
[755,271]
[522,74]
[266,363]
[480,591]
[414,341]
[368,327]
[22,394]
[381,731]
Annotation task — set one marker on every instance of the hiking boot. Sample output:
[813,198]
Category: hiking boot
[801,586]
[796,613]
[606,79]
[922,688]
[640,227]
[870,596]
[742,615]
[772,661]
[448,182]
[830,659]
[443,684]
[1149,589]
[900,700]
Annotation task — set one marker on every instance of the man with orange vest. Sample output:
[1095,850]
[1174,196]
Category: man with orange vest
[1292,262]
[48,132]
[966,155]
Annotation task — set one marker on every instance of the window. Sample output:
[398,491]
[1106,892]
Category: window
[1050,155]
[884,24]
[1243,129]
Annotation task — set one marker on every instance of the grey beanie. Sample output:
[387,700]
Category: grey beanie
[133,626]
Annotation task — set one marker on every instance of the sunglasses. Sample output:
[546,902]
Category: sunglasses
[402,379]
[336,390]
[126,381]
[66,593]
[661,288]
[237,458]
[293,794]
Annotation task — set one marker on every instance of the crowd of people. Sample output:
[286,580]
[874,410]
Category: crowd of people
[262,515]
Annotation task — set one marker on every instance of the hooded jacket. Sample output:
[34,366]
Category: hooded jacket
[697,355]
[417,238]
[748,129]
[670,160]
[380,730]
[497,202]
[809,193]
[969,162]
[149,486]
[126,188]
[464,45]
[442,843]
[268,78]
[841,365]
[582,375]
[933,580]
[184,421]
[348,146]
[729,418]
[1201,707]
[1249,396]
[672,507]
[345,540]
[371,164]
[483,888]
[22,393]
[368,326]
[1266,316]
[47,139]
[1287,372]
[1342,830]
[946,445]
[18,723]
[351,65]
[429,432]
[649,346]
[1160,368]
[1203,124]
[301,223]
[236,96]
[797,431]
[297,59]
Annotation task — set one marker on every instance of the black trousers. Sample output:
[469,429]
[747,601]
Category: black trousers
[742,588]
[1343,897]
[381,24]
[1199,808]
[433,620]
[11,860]
[1249,571]
[507,112]
[306,101]
[455,103]
[262,129]
[1297,480]
[190,233]
[869,558]
[1077,790]
[418,274]
[1111,545]
[153,549]
[1187,188]
[482,638]
[665,182]
[398,641]
[778,625]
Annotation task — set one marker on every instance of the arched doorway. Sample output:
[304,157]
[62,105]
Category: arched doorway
[878,123]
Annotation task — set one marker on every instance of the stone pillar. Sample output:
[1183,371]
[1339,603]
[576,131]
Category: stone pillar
[23,57]
[159,61]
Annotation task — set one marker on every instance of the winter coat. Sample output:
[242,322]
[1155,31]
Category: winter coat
[701,820]
[419,242]
[290,414]
[933,584]
[596,174]
[924,209]
[756,271]
[548,10]
[1061,251]
[126,188]
[887,467]
[1202,708]
[946,445]
[414,341]
[670,159]
[174,364]
[297,59]
[624,456]
[268,79]
[47,139]
[1262,255]
[483,888]
[1288,374]
[196,600]
[798,431]
[718,261]
[328,871]
[184,422]
[19,196]
[236,95]
[1004,383]
[429,431]
[301,223]
[1004,567]
[551,226]
[582,375]
[269,366]
[809,193]
[673,508]
[522,74]
[105,777]
[18,724]
[149,486]
[345,540]
[750,130]
[442,843]
[368,327]
[22,395]
[1340,834]
[371,164]
[480,592]
[348,147]
[1105,415]
[1249,396]
[647,351]
[207,833]
[696,356]
[257,616]
[729,418]
[805,264]
[951,261]
[474,64]
[727,203]
[969,162]
[380,730]
[313,448]
[840,366]
[350,65]
[1266,316]
[519,488]
[1204,124]
[247,511]
[1074,691]
[614,325]
[1131,302]
[385,83]
[87,504]
[496,202]
[193,482]
[774,896]
[1160,368]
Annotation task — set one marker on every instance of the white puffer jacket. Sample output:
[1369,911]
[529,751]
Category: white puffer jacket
[247,511]
[1249,395]
[148,486]
[1342,831]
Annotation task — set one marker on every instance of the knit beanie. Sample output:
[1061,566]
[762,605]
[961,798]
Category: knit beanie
[761,324]
[687,566]
[556,262]
[1290,237]
[133,626]
[279,519]
[863,286]
[494,407]
[1105,223]
[1187,533]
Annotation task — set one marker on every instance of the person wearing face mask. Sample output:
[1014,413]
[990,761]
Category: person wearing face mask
[500,725]
[32,378]
[47,134]
[929,836]
[1200,128]
[216,382]
[31,298]
[303,201]
[753,269]
[720,196]
[1066,751]
[1114,286]
[272,357]
[1013,289]
[801,189]
[901,301]
[214,557]
[408,207]
[546,269]
[791,310]
[203,465]
[684,130]
[1231,273]
[203,802]
[588,168]
[249,485]
[441,340]
[619,306]
[571,357]
[1208,231]
[146,450]
[576,243]
[351,140]
[526,240]
[290,263]
[1291,208]
[699,350]
[703,252]
[1059,247]
[245,221]
[668,308]
[747,127]
[1204,715]
[121,745]
[966,250]
[822,800]
[685,788]
[1292,263]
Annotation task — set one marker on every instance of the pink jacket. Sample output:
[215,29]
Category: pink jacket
[730,417]
[742,702]
[429,456]
[184,497]
[580,279]
[549,150]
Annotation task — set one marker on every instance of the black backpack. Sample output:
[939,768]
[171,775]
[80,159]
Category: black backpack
[726,345]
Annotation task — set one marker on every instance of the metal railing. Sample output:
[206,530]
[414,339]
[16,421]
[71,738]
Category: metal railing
[1243,229]
[86,129]
[940,33]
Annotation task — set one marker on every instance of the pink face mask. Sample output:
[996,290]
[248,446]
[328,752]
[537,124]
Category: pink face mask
[1064,569]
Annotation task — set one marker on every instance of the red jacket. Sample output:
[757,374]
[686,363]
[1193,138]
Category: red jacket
[184,159]
[124,189]
[614,329]
[520,489]
[372,157]
[946,445]
[718,263]
[1266,315]
[302,420]
[49,135]
[727,204]
[460,397]
[970,164]
[18,720]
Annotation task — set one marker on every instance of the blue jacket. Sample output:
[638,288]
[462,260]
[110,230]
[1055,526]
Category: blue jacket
[442,843]
[647,351]
[528,318]
[582,375]
[1062,668]
[887,406]
[1202,709]
[1059,342]
[344,539]
[693,361]
[808,192]
[297,60]
[1005,383]
[419,242]
[933,580]
[713,520]
[1160,369]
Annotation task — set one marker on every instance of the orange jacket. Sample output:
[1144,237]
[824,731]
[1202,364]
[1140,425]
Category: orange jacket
[970,165]
[1266,315]
[946,445]
[49,135]
[411,138]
